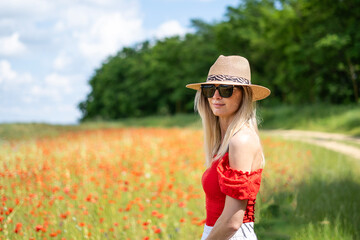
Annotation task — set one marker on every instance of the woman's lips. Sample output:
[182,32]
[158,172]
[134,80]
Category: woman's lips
[218,105]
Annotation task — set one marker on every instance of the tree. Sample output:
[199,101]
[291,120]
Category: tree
[305,51]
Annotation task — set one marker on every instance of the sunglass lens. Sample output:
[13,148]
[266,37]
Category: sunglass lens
[208,90]
[226,91]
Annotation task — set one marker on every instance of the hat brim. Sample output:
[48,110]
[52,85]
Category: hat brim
[259,92]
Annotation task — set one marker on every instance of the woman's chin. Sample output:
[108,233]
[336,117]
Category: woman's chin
[219,113]
[222,114]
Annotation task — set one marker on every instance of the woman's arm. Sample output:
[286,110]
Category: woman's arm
[230,220]
[244,154]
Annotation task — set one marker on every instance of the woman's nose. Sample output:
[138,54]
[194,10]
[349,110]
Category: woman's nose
[216,94]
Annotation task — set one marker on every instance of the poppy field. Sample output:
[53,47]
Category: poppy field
[145,183]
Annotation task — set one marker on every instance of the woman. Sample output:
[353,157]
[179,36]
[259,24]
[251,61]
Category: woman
[226,104]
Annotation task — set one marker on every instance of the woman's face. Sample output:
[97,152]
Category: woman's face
[225,107]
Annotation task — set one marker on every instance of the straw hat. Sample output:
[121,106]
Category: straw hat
[232,70]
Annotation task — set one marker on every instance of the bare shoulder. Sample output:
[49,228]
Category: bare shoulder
[244,149]
[245,141]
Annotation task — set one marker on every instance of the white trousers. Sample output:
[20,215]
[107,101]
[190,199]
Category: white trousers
[246,231]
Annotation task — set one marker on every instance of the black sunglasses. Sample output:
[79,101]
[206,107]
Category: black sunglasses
[225,91]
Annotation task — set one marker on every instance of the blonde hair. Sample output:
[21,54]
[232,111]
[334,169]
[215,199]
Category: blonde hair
[246,114]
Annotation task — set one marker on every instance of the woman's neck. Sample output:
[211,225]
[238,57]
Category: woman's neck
[224,124]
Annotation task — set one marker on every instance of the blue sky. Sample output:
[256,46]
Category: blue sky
[50,49]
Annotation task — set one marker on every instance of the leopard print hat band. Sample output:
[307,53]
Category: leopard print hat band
[228,78]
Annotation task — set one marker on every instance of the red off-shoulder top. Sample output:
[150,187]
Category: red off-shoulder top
[220,180]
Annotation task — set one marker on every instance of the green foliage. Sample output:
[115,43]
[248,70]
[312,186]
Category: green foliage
[137,83]
[305,51]
[315,117]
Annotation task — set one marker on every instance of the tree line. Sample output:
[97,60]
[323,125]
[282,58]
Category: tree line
[305,51]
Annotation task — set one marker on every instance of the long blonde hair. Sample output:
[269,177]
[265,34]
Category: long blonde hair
[246,114]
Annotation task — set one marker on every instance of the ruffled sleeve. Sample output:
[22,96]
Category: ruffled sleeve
[238,184]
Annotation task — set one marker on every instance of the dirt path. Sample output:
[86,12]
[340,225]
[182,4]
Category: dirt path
[337,142]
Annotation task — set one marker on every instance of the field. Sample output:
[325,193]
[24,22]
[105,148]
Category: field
[144,183]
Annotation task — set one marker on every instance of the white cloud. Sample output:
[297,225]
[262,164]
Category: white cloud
[21,8]
[55,87]
[6,73]
[58,82]
[7,25]
[170,28]
[60,42]
[9,77]
[78,16]
[11,45]
[38,91]
[107,34]
[61,61]
[60,26]
[95,29]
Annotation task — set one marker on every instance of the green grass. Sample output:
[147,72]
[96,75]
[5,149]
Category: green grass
[323,231]
[17,131]
[321,204]
[319,117]
[14,131]
[351,143]
[178,120]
